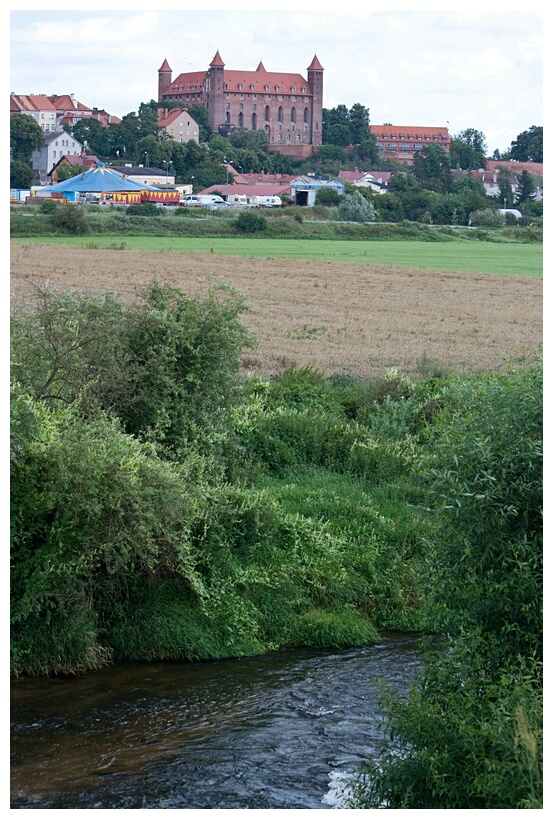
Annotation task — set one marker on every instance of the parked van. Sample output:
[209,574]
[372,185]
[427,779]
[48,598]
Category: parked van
[196,200]
[265,201]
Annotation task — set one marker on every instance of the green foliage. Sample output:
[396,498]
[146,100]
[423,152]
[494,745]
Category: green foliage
[528,146]
[26,136]
[144,209]
[21,174]
[469,735]
[250,222]
[327,196]
[488,217]
[166,365]
[69,219]
[355,208]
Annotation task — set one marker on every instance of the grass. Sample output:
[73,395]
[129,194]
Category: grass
[507,259]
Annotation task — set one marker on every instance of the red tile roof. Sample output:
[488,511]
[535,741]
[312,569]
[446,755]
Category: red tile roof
[396,131]
[278,82]
[249,190]
[165,66]
[315,65]
[217,60]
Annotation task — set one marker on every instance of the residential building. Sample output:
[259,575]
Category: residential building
[401,142]
[56,145]
[37,106]
[377,181]
[178,125]
[158,177]
[287,106]
[53,112]
[82,160]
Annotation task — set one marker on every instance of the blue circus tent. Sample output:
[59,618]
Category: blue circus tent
[99,179]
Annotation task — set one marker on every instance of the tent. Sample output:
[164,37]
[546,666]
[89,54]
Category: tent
[99,180]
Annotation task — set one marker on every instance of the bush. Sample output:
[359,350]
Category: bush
[144,209]
[355,208]
[488,217]
[250,222]
[69,219]
[327,196]
[49,205]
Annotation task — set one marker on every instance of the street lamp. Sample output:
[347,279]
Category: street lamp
[146,160]
[166,163]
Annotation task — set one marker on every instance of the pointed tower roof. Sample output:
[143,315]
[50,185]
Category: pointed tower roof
[315,65]
[217,60]
[165,66]
[261,67]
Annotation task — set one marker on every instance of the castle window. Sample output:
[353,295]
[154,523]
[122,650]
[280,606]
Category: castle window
[306,114]
[240,120]
[241,106]
[287,137]
[240,87]
[225,86]
[252,87]
[293,89]
[227,105]
[277,88]
[267,88]
[292,114]
[254,106]
[298,138]
[254,122]
[267,113]
[280,113]
[227,116]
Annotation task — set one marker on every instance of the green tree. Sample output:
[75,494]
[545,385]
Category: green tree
[200,115]
[468,150]
[327,196]
[90,131]
[22,175]
[505,195]
[432,168]
[526,188]
[528,146]
[358,122]
[26,136]
[355,208]
[66,171]
[338,134]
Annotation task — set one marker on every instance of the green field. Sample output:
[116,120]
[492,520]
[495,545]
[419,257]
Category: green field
[460,256]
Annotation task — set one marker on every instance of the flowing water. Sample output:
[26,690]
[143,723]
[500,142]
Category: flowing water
[285,730]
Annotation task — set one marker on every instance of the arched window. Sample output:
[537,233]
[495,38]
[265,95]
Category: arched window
[306,114]
[267,113]
[254,122]
[292,114]
[280,113]
[227,116]
[241,120]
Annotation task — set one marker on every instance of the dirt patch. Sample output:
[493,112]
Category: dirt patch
[337,318]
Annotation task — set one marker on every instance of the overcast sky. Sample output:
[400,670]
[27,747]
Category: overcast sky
[478,67]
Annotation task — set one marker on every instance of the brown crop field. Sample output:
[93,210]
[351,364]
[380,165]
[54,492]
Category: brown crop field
[337,318]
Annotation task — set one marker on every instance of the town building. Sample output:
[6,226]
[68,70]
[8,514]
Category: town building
[53,112]
[377,181]
[56,145]
[287,106]
[178,125]
[402,142]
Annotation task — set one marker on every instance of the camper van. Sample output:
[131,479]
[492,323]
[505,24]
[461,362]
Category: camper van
[196,200]
[265,201]
[238,200]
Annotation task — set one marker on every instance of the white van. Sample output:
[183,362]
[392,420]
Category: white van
[196,200]
[265,201]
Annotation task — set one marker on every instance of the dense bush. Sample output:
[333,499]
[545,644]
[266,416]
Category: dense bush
[355,208]
[488,217]
[144,209]
[250,222]
[69,219]
[470,733]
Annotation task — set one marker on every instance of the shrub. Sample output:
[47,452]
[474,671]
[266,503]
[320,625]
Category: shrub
[327,196]
[144,209]
[69,219]
[49,206]
[250,222]
[355,208]
[487,217]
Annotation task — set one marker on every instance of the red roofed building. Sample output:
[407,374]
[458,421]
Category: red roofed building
[287,106]
[401,142]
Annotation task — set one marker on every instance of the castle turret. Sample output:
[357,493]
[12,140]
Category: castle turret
[164,74]
[214,92]
[315,80]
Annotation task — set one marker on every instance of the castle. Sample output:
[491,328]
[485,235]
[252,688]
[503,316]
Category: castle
[288,107]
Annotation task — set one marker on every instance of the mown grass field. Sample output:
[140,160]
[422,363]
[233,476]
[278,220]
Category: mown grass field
[507,259]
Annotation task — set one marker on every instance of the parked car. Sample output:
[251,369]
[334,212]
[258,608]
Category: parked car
[220,206]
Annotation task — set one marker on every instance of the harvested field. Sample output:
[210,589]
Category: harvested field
[337,318]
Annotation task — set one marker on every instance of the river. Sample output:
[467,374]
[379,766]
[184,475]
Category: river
[281,731]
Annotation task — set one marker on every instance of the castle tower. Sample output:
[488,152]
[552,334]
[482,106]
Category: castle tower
[315,80]
[164,75]
[214,92]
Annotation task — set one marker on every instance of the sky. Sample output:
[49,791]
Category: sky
[468,65]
